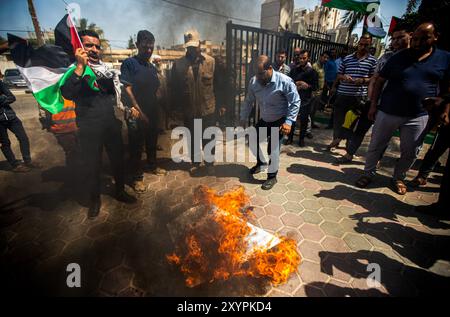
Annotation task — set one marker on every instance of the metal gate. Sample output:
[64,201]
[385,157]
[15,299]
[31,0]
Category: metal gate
[244,44]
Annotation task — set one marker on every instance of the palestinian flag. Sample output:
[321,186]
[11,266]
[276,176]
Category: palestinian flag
[394,22]
[373,29]
[47,68]
[349,5]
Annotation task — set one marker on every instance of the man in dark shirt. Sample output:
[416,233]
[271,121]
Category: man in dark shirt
[10,121]
[307,80]
[412,75]
[141,84]
[98,126]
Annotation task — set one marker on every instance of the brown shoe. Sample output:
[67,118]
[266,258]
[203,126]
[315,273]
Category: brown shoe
[21,168]
[139,187]
[419,181]
[33,165]
[159,171]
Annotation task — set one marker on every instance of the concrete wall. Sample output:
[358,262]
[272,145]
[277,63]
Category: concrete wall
[270,15]
[276,15]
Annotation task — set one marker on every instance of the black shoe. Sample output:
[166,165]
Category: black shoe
[94,209]
[310,136]
[256,169]
[124,197]
[315,126]
[268,184]
[301,143]
[288,142]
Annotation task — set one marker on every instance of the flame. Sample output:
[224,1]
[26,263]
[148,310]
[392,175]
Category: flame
[219,250]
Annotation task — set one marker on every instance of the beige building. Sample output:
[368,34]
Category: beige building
[276,15]
[321,20]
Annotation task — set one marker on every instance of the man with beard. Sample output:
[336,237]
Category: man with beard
[353,78]
[192,86]
[306,79]
[141,84]
[400,40]
[412,76]
[97,123]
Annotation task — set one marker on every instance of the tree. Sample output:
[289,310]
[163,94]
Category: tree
[131,45]
[352,18]
[435,11]
[411,6]
[84,25]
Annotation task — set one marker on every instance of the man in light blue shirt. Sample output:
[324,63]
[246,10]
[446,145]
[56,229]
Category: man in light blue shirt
[279,104]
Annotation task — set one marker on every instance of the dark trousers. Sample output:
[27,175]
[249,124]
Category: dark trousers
[272,149]
[445,186]
[71,146]
[357,137]
[16,127]
[93,137]
[305,111]
[141,135]
[207,121]
[317,103]
[440,145]
[342,105]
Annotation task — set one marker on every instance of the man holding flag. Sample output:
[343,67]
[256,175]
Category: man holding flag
[96,120]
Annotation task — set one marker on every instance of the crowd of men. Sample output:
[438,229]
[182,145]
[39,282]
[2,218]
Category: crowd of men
[396,92]
[407,89]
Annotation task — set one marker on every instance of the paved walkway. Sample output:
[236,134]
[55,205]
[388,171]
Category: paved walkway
[340,230]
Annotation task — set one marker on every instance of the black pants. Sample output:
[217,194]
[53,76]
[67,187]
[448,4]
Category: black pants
[16,127]
[440,145]
[342,105]
[141,135]
[207,121]
[94,136]
[317,103]
[305,111]
[71,146]
[275,158]
[444,199]
[357,137]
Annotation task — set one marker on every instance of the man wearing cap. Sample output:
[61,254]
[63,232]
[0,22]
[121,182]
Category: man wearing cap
[193,90]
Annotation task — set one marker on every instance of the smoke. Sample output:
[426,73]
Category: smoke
[174,21]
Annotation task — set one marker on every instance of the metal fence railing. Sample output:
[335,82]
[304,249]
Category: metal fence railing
[244,44]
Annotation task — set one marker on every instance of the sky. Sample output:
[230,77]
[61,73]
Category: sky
[122,18]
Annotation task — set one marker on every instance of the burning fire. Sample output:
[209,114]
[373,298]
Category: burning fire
[218,248]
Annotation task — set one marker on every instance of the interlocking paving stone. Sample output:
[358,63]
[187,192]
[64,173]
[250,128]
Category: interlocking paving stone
[274,210]
[311,232]
[332,229]
[356,242]
[312,217]
[271,223]
[292,220]
[339,229]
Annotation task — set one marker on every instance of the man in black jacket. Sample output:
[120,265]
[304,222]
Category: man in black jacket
[97,123]
[307,80]
[10,121]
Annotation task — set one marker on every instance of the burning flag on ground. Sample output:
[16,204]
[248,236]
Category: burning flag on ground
[214,241]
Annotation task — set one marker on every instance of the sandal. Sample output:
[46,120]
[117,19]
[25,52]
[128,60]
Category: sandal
[399,187]
[363,182]
[419,181]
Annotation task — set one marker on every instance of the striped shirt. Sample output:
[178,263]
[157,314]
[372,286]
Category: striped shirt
[356,68]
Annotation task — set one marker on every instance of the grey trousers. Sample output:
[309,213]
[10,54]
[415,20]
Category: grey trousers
[412,135]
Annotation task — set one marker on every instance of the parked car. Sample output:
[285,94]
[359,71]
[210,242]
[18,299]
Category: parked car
[13,79]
